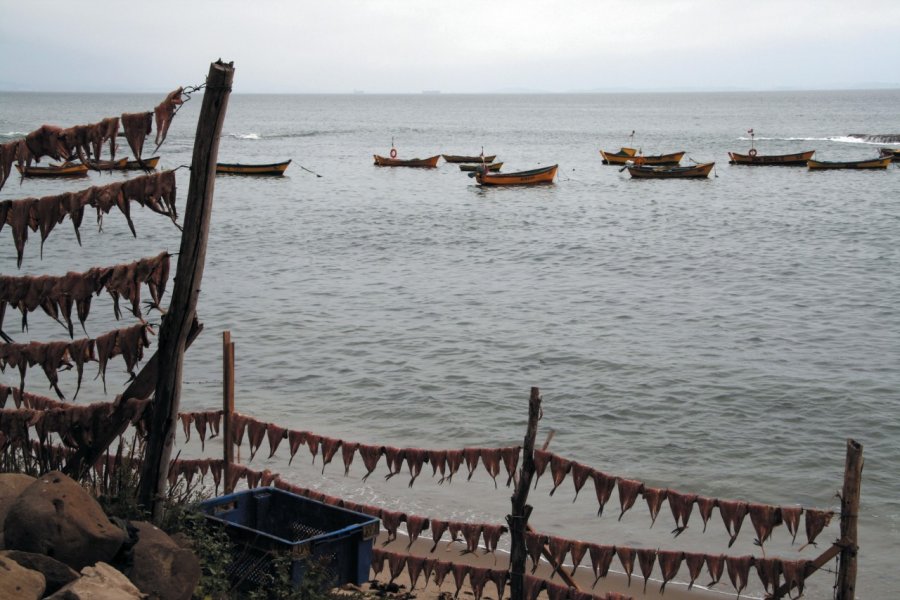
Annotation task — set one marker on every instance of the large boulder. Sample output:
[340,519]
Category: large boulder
[55,573]
[57,517]
[19,583]
[161,568]
[100,582]
[11,485]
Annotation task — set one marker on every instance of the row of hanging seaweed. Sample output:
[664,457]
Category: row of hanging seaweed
[763,517]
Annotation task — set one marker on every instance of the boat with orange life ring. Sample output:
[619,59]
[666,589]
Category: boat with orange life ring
[797,159]
[532,177]
[621,159]
[427,163]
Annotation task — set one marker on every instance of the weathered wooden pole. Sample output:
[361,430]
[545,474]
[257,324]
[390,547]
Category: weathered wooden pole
[846,581]
[518,519]
[227,406]
[183,305]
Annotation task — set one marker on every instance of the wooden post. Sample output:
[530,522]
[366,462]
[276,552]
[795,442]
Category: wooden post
[846,582]
[227,405]
[518,519]
[183,305]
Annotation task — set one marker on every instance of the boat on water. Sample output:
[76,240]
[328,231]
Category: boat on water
[662,172]
[622,158]
[64,170]
[490,167]
[893,153]
[798,159]
[872,163]
[427,163]
[534,176]
[123,164]
[248,169]
[452,158]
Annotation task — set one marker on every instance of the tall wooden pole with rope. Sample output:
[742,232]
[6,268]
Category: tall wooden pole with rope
[521,510]
[182,309]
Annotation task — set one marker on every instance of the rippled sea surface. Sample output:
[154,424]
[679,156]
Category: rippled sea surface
[723,336]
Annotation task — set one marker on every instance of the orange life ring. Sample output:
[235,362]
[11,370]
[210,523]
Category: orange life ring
[752,152]
[393,153]
[639,161]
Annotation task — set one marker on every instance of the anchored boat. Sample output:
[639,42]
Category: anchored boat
[622,158]
[245,169]
[872,163]
[694,172]
[534,176]
[63,170]
[490,167]
[427,163]
[123,164]
[452,158]
[798,159]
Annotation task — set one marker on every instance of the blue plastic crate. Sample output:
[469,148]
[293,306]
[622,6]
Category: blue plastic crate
[264,522]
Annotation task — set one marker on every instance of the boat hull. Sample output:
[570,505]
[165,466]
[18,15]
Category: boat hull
[532,177]
[123,164]
[874,163]
[798,159]
[452,158]
[695,172]
[491,167]
[67,170]
[243,169]
[892,153]
[424,163]
[621,159]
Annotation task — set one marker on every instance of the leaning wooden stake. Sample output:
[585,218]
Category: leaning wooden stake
[227,406]
[518,520]
[182,308]
[846,582]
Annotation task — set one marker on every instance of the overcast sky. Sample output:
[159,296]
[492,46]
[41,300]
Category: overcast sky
[385,46]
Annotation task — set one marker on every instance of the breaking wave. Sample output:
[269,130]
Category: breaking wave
[275,136]
[851,138]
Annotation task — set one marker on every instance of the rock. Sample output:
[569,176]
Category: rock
[100,582]
[11,485]
[161,568]
[57,517]
[55,573]
[19,583]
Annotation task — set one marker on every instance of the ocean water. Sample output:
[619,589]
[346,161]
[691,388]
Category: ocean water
[723,336]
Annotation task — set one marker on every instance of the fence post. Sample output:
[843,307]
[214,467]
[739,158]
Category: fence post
[846,584]
[227,406]
[518,519]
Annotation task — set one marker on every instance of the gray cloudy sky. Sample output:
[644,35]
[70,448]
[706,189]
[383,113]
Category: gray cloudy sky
[450,45]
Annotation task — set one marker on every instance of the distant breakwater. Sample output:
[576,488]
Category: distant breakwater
[880,138]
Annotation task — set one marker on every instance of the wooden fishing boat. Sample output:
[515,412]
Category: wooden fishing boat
[246,169]
[872,163]
[618,158]
[622,153]
[452,158]
[490,166]
[891,152]
[123,164]
[427,163]
[63,170]
[657,172]
[542,175]
[798,159]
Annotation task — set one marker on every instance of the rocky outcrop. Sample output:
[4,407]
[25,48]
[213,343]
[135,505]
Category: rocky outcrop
[11,485]
[57,517]
[19,583]
[161,568]
[55,573]
[100,582]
